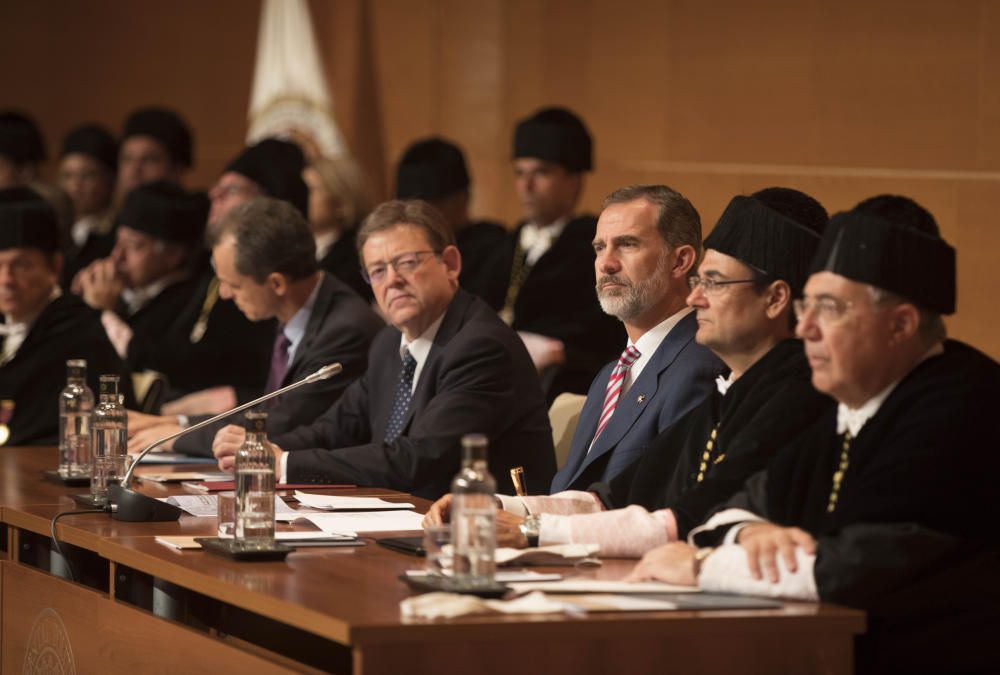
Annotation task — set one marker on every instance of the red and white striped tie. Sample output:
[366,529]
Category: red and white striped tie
[614,389]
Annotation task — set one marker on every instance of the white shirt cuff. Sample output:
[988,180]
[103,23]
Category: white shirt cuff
[554,529]
[513,504]
[727,571]
[283,468]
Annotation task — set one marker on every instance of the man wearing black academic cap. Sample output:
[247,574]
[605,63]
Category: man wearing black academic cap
[156,144]
[22,149]
[885,503]
[549,258]
[42,327]
[756,261]
[87,167]
[142,286]
[434,170]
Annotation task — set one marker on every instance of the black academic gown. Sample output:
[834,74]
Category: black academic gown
[484,272]
[342,262]
[913,538]
[769,405]
[232,351]
[66,329]
[558,300]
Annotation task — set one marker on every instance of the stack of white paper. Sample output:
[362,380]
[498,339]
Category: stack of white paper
[374,521]
[331,503]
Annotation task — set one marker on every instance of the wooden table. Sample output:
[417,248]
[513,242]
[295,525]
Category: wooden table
[337,609]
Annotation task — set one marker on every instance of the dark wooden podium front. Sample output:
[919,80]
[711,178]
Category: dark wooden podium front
[139,606]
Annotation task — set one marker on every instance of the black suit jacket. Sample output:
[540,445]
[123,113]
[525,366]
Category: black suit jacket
[478,378]
[66,329]
[341,328]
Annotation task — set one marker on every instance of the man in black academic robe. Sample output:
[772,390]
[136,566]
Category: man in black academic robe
[755,262]
[549,259]
[434,170]
[142,287]
[42,327]
[885,503]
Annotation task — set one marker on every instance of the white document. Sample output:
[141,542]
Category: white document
[502,577]
[599,586]
[205,506]
[331,503]
[374,521]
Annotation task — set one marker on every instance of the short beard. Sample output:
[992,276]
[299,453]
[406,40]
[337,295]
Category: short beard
[636,298]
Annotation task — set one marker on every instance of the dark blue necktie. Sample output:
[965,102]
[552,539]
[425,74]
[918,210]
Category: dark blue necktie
[401,403]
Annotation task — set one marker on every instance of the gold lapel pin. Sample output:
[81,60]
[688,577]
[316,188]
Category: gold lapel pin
[641,398]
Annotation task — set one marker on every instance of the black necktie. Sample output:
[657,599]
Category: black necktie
[401,403]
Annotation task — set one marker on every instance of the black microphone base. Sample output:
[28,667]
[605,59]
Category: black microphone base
[133,507]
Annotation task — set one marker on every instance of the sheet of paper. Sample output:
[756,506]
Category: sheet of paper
[576,585]
[616,603]
[503,577]
[374,521]
[331,503]
[181,476]
[205,506]
[175,458]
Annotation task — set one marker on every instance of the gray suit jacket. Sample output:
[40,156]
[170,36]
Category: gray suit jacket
[679,375]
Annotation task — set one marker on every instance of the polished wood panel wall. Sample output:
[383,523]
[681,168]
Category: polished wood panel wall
[841,98]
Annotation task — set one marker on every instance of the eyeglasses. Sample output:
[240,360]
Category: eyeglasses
[403,264]
[711,286]
[828,310]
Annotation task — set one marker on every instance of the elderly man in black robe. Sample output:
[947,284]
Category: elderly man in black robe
[886,502]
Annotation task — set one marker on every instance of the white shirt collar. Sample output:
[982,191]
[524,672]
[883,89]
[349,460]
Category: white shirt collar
[649,342]
[536,239]
[724,383]
[324,242]
[853,419]
[295,329]
[137,298]
[16,332]
[420,348]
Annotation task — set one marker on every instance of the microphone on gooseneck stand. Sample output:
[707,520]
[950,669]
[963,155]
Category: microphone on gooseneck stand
[129,505]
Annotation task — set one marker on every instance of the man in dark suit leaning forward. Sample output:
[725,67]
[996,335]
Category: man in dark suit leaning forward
[647,244]
[447,366]
[265,259]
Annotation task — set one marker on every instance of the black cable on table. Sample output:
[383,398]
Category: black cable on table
[55,540]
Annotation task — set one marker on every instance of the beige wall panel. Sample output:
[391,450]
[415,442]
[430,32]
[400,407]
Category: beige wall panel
[99,60]
[978,256]
[989,87]
[741,81]
[897,84]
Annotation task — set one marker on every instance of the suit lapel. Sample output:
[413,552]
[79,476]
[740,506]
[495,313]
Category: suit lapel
[427,384]
[324,296]
[642,394]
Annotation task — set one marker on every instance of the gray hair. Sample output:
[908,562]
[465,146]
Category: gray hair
[415,212]
[931,328]
[678,221]
[270,235]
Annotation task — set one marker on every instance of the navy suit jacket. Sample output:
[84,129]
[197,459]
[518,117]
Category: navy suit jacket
[478,378]
[678,377]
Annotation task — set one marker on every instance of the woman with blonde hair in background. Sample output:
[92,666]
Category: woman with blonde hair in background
[338,202]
